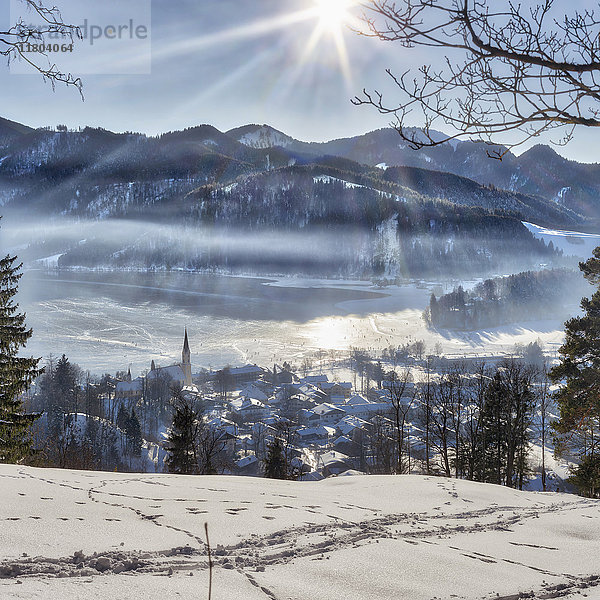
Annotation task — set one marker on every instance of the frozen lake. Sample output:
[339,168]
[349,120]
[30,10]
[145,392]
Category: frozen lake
[109,321]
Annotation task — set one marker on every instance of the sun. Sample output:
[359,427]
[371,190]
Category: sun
[333,14]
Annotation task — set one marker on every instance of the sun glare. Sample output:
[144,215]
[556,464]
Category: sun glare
[333,13]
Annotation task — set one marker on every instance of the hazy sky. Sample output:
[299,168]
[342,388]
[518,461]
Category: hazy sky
[227,63]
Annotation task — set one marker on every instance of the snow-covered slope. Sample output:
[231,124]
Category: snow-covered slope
[110,535]
[572,243]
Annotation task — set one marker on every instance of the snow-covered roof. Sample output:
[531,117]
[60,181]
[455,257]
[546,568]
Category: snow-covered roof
[349,423]
[246,461]
[370,408]
[251,404]
[332,457]
[346,385]
[326,408]
[351,473]
[321,431]
[174,372]
[357,399]
[342,440]
[312,476]
[252,391]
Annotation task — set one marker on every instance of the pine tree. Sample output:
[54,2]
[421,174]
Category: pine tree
[133,431]
[578,397]
[586,477]
[182,440]
[122,417]
[275,461]
[65,385]
[16,373]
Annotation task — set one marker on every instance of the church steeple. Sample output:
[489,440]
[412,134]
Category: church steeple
[186,362]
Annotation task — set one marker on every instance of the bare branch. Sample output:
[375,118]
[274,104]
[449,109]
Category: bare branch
[18,37]
[520,71]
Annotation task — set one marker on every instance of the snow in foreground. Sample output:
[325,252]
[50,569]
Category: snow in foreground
[68,534]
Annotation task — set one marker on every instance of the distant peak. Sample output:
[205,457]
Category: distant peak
[260,136]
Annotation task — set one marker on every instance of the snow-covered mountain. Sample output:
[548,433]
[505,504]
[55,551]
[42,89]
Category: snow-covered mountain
[260,136]
[258,179]
[65,534]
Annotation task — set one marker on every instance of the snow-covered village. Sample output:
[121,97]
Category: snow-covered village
[403,413]
[299,300]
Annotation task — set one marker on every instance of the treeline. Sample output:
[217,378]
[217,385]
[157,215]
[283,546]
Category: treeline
[502,300]
[470,421]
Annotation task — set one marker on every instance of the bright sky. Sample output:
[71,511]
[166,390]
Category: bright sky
[293,64]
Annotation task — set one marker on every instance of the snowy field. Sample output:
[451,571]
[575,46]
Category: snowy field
[70,535]
[109,321]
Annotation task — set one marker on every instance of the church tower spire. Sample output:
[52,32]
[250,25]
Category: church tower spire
[186,361]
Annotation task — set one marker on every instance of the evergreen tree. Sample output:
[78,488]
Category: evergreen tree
[16,373]
[579,372]
[182,439]
[122,417]
[275,467]
[586,477]
[65,385]
[133,431]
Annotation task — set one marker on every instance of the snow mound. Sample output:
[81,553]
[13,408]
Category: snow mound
[115,535]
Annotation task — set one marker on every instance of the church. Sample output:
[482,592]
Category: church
[180,373]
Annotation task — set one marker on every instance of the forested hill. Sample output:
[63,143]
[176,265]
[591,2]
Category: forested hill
[502,300]
[98,173]
[399,220]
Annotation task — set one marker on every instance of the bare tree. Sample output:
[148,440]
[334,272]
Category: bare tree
[19,36]
[425,412]
[402,399]
[472,441]
[503,69]
[442,417]
[382,444]
[545,404]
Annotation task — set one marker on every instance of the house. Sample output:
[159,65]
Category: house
[245,374]
[326,414]
[334,463]
[368,409]
[349,424]
[252,391]
[337,392]
[281,375]
[224,425]
[316,380]
[346,446]
[291,401]
[130,390]
[251,410]
[248,465]
[313,435]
